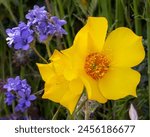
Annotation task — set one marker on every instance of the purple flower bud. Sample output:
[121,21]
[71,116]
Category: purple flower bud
[133,113]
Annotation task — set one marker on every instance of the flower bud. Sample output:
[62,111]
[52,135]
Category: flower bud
[133,113]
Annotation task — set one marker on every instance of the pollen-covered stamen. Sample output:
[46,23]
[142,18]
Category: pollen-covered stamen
[96,65]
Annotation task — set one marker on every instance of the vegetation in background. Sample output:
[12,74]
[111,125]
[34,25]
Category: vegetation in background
[134,14]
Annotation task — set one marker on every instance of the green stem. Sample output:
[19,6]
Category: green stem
[114,110]
[48,6]
[138,26]
[6,109]
[48,49]
[39,92]
[3,57]
[126,14]
[39,55]
[105,10]
[87,113]
[21,13]
[30,67]
[10,64]
[2,30]
[12,16]
[62,14]
[56,114]
[26,114]
[79,108]
[119,14]
[13,107]
[148,45]
[22,72]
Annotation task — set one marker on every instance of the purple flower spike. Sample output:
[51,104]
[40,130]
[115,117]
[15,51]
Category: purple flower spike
[12,84]
[36,15]
[43,25]
[20,37]
[18,90]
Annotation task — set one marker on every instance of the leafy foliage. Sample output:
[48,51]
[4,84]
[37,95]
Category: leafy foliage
[75,12]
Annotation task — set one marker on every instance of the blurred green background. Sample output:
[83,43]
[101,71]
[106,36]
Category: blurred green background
[134,14]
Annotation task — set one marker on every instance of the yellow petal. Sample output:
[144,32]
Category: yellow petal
[70,99]
[89,39]
[74,62]
[126,49]
[46,71]
[55,89]
[119,82]
[97,28]
[67,93]
[56,55]
[92,36]
[80,41]
[92,88]
[60,62]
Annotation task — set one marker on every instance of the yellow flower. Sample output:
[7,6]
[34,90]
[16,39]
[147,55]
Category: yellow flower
[104,64]
[104,67]
[57,88]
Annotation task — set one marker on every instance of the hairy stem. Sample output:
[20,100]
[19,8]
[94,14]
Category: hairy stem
[48,6]
[48,49]
[39,55]
[87,113]
[56,114]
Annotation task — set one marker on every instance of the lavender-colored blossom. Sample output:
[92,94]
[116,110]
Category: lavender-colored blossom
[58,30]
[43,25]
[25,101]
[20,37]
[44,29]
[37,14]
[9,98]
[51,27]
[12,84]
[11,35]
[18,90]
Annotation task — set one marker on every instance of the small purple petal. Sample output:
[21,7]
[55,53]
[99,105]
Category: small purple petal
[28,103]
[30,39]
[21,94]
[32,97]
[26,47]
[20,37]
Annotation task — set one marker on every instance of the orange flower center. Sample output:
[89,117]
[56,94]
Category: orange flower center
[96,65]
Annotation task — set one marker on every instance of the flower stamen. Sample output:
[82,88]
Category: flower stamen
[96,65]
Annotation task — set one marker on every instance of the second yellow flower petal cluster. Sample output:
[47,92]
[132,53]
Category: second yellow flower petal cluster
[102,65]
